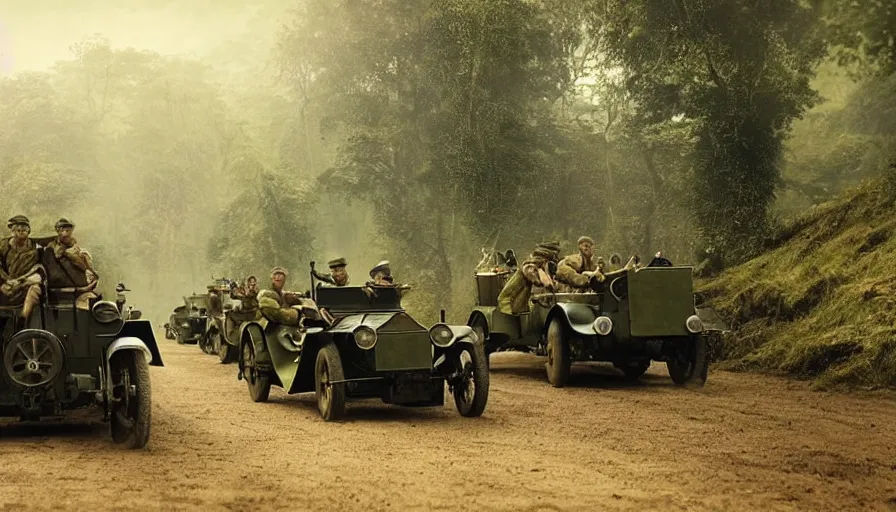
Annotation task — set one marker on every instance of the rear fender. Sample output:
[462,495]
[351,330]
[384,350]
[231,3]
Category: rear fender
[578,317]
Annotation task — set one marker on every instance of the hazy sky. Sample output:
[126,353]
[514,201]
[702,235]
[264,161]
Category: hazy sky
[34,40]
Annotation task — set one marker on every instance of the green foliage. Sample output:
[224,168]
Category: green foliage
[820,304]
[740,71]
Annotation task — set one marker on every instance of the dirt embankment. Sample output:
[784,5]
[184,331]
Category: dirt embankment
[744,442]
[821,303]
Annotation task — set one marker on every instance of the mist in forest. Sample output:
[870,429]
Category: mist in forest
[201,139]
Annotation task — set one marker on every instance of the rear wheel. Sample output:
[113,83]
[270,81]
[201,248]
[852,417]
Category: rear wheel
[689,366]
[258,381]
[471,389]
[330,395]
[131,398]
[559,362]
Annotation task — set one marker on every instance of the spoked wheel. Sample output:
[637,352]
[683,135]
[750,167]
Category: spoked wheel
[559,362]
[131,398]
[633,369]
[258,381]
[33,357]
[330,394]
[471,388]
[690,365]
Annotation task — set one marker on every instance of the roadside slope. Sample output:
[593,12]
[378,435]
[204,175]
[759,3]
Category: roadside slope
[821,303]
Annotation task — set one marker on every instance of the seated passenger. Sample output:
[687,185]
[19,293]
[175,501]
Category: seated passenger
[274,303]
[574,271]
[247,295]
[20,270]
[381,274]
[338,275]
[531,278]
[615,262]
[69,267]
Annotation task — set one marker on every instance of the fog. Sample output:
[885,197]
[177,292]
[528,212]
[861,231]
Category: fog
[189,140]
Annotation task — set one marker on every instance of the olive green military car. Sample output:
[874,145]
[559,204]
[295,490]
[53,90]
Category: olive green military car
[189,323]
[68,358]
[632,318]
[359,342]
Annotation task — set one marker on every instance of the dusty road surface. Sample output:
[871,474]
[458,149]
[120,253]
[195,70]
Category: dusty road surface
[744,442]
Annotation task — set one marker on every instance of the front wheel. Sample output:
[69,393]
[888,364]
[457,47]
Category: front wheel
[689,366]
[206,342]
[559,362]
[131,398]
[480,327]
[258,381]
[226,352]
[330,394]
[471,388]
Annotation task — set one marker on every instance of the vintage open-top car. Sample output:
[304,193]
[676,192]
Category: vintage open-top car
[188,323]
[359,342]
[66,358]
[631,318]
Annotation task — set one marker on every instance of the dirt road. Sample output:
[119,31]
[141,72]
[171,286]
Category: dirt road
[744,442]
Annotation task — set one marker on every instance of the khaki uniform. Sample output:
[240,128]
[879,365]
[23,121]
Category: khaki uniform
[523,284]
[247,309]
[15,262]
[569,273]
[67,267]
[275,306]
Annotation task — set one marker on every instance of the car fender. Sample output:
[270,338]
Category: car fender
[578,317]
[129,343]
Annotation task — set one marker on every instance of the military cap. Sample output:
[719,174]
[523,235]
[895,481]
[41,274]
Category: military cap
[541,252]
[383,267]
[338,262]
[279,270]
[18,219]
[585,239]
[64,223]
[549,246]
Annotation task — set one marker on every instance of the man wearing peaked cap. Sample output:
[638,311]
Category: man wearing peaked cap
[69,266]
[19,274]
[381,273]
[274,303]
[338,274]
[574,271]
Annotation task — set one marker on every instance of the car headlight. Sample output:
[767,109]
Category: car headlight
[365,337]
[694,324]
[603,325]
[441,335]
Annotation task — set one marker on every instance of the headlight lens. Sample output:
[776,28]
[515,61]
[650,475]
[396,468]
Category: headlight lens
[365,337]
[441,335]
[603,325]
[105,312]
[694,324]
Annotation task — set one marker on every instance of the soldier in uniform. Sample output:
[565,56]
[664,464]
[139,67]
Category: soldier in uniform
[381,274]
[274,303]
[19,268]
[338,274]
[247,295]
[531,278]
[615,262]
[68,266]
[574,271]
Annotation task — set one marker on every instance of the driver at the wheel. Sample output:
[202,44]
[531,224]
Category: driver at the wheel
[574,271]
[274,303]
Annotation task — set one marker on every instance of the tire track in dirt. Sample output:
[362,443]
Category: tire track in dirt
[744,442]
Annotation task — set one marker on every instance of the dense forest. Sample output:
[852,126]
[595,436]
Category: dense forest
[420,132]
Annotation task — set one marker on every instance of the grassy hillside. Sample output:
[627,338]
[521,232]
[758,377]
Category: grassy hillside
[821,302]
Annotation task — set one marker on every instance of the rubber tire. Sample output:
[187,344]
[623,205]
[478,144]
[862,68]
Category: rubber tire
[693,373]
[480,327]
[329,357]
[137,436]
[559,363]
[480,378]
[633,370]
[205,343]
[227,353]
[260,391]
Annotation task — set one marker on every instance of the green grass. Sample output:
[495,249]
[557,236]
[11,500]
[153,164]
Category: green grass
[821,303]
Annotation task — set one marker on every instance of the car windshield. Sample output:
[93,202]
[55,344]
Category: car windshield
[357,298]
